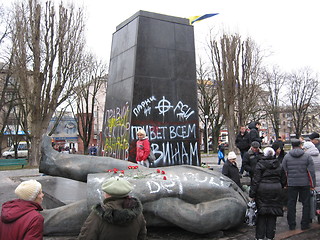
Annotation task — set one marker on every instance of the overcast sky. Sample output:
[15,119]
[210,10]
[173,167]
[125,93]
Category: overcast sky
[287,28]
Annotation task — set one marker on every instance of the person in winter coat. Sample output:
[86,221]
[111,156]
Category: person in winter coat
[230,168]
[279,151]
[143,148]
[20,218]
[299,168]
[118,217]
[277,146]
[221,148]
[254,132]
[243,143]
[266,189]
[251,158]
[315,139]
[311,149]
[93,150]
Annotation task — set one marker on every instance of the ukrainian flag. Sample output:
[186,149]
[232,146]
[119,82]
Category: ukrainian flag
[199,18]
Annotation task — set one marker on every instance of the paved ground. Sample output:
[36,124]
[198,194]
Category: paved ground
[10,179]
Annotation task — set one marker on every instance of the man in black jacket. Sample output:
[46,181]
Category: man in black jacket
[254,132]
[251,158]
[242,142]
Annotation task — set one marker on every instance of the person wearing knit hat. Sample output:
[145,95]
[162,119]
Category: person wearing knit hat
[230,168]
[20,218]
[28,190]
[118,217]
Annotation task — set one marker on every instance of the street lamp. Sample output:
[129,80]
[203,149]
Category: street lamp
[206,117]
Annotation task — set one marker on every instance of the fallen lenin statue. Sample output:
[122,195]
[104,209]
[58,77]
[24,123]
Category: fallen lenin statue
[193,198]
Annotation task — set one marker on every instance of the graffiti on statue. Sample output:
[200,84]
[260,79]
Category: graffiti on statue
[173,135]
[116,132]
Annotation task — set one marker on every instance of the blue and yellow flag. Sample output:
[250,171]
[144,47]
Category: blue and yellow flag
[199,18]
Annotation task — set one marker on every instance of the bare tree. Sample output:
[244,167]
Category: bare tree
[93,78]
[235,67]
[5,64]
[47,45]
[248,84]
[274,81]
[208,104]
[303,96]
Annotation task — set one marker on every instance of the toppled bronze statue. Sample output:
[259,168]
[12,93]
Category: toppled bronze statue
[196,199]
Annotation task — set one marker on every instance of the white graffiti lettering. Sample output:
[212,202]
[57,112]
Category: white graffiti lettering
[183,111]
[153,186]
[169,153]
[188,131]
[175,182]
[144,105]
[147,111]
[117,112]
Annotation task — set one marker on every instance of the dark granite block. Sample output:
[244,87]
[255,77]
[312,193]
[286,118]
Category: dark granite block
[152,84]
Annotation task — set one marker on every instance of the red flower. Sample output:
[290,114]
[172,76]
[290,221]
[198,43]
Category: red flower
[158,171]
[164,178]
[115,170]
[132,167]
[122,171]
[163,172]
[110,170]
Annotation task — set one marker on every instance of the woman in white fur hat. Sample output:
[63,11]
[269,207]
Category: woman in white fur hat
[230,168]
[20,218]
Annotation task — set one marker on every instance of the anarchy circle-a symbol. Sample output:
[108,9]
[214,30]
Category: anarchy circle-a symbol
[163,106]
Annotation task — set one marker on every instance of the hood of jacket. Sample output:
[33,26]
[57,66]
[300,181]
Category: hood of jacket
[270,162]
[313,151]
[252,125]
[119,211]
[296,152]
[13,210]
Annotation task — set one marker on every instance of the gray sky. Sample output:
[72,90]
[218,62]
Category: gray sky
[289,29]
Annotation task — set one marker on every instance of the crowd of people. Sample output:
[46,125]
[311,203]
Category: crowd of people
[278,179]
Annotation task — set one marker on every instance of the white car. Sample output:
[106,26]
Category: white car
[22,151]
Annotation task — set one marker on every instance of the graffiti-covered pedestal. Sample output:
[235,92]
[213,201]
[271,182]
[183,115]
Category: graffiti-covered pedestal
[152,85]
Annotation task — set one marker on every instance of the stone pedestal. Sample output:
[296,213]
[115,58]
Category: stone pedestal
[152,84]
